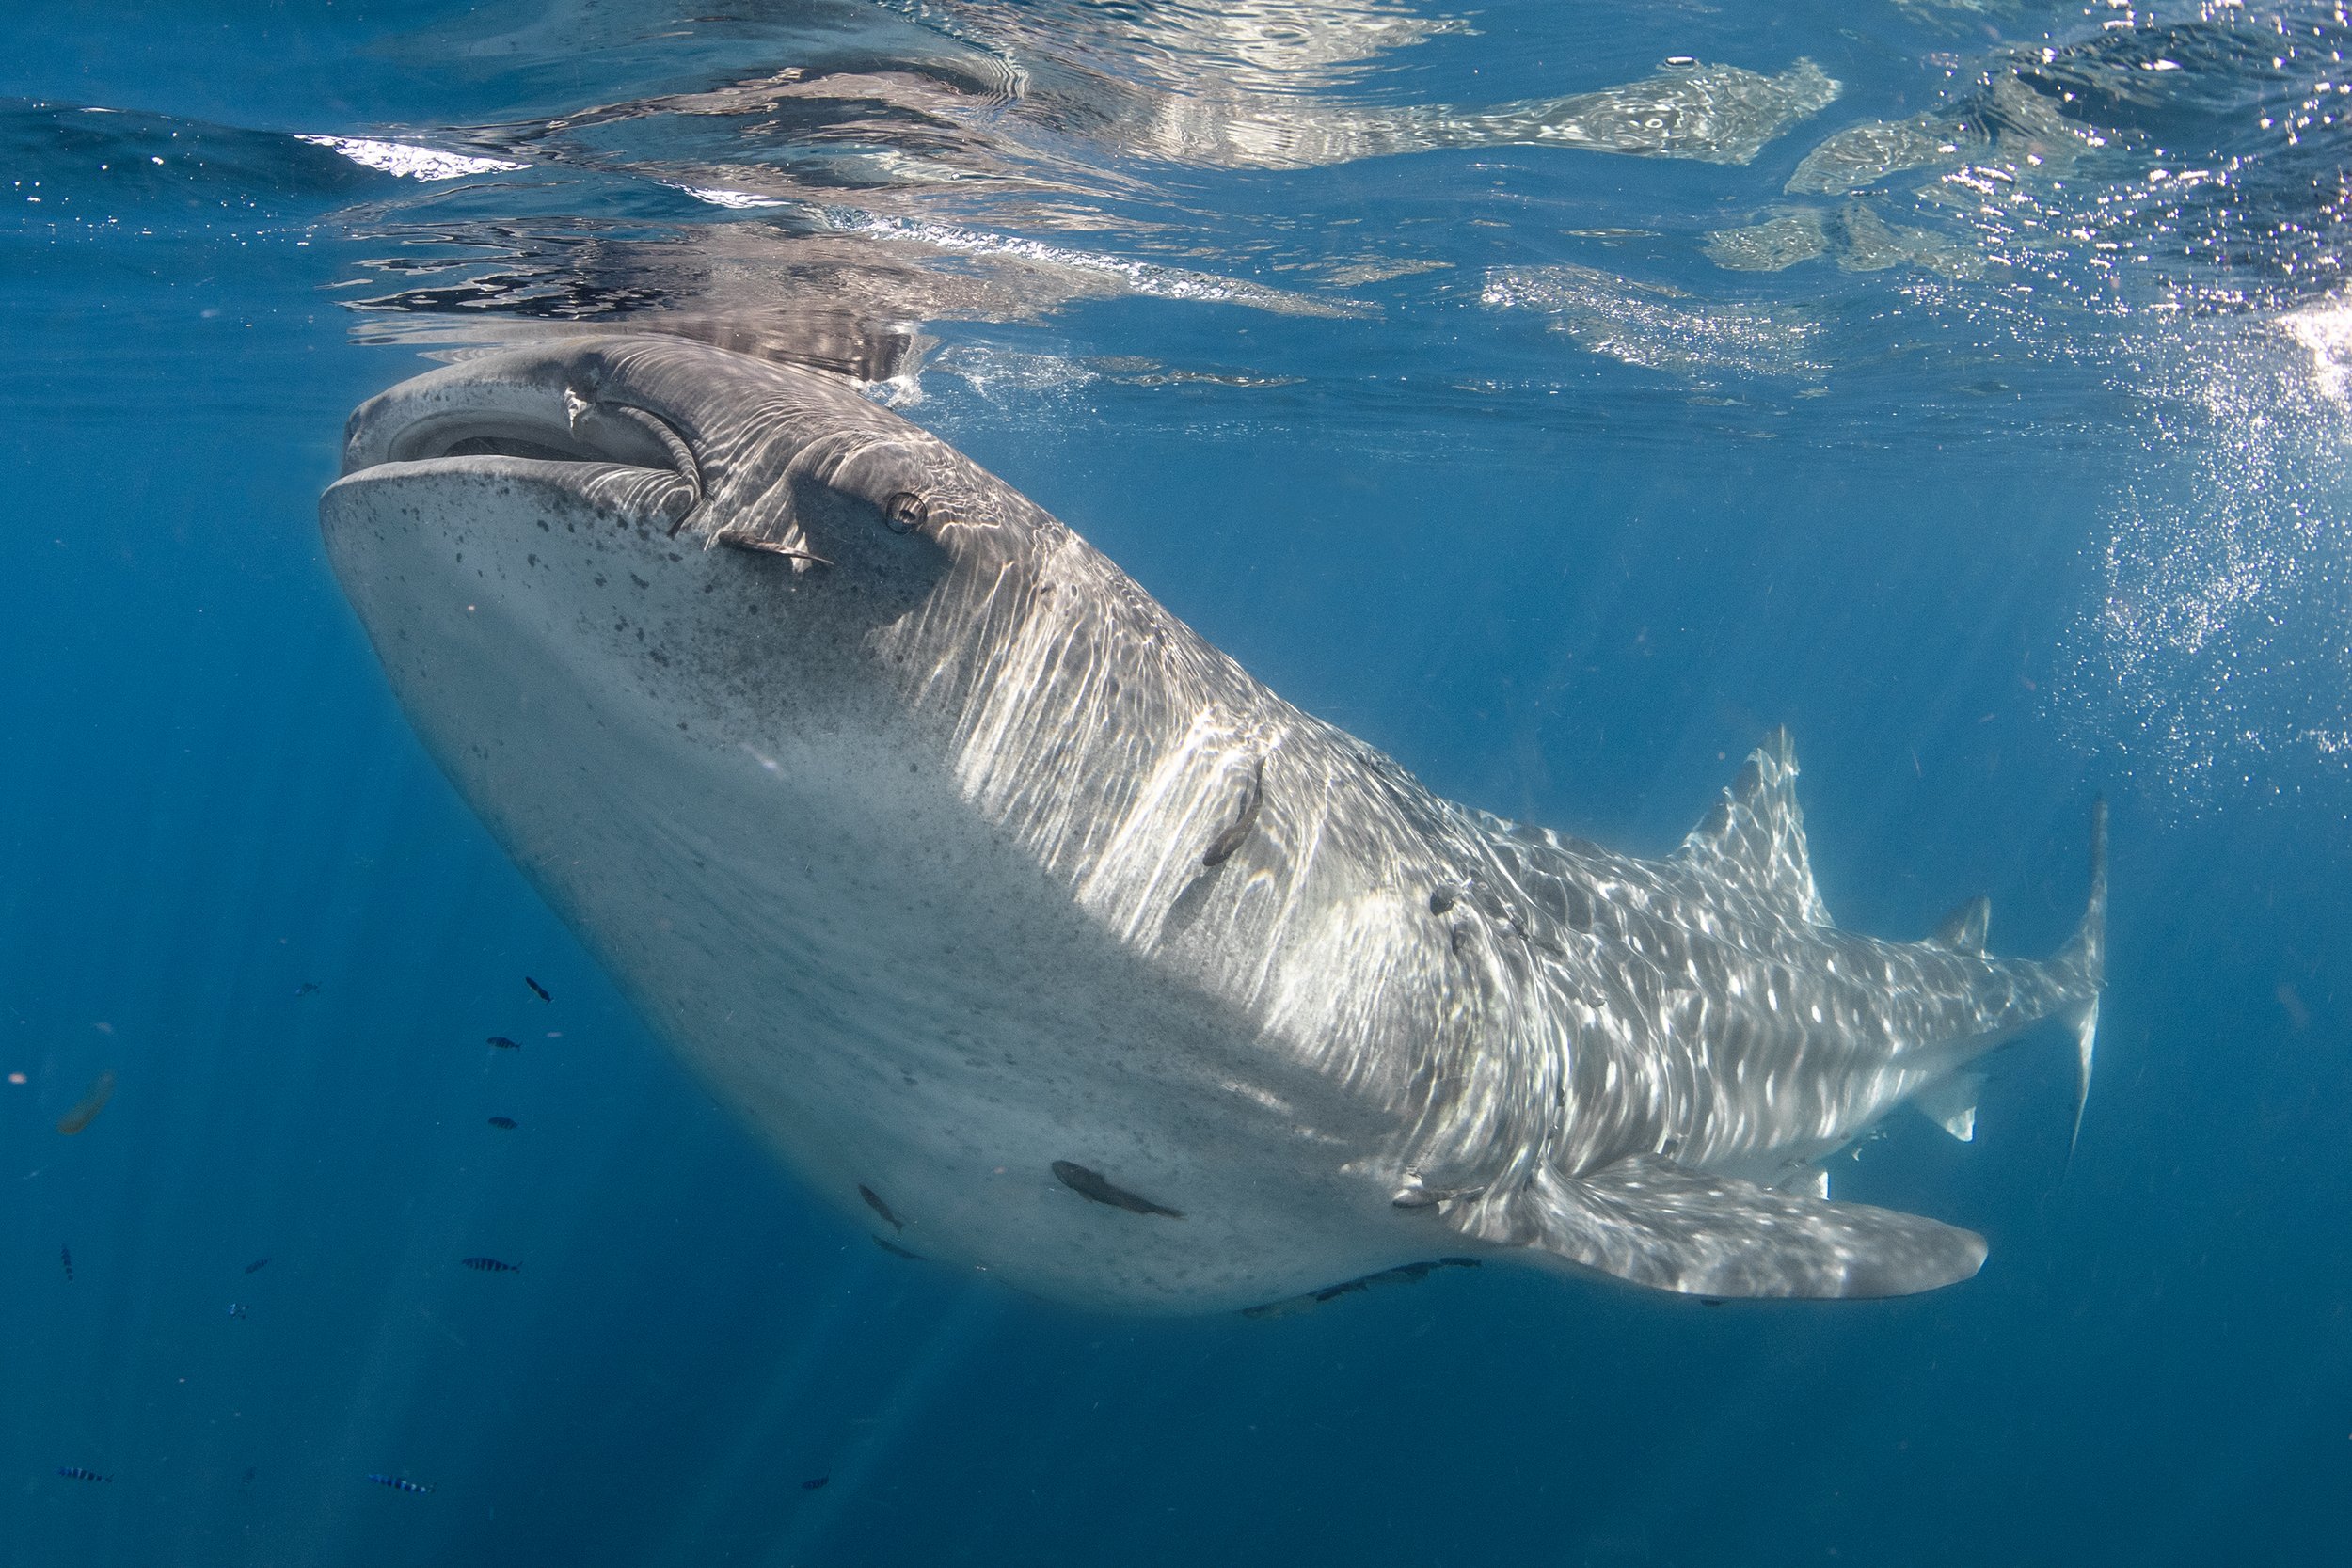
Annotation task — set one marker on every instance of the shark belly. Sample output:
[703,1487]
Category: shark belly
[906,1007]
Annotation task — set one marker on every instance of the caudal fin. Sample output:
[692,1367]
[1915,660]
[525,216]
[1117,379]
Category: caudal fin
[2086,957]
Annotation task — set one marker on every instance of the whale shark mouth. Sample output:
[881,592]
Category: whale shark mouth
[524,419]
[539,426]
[591,431]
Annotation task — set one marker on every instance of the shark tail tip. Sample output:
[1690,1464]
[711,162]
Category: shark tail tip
[2086,1021]
[2087,954]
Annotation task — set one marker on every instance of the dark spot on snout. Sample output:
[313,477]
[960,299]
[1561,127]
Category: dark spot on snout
[1093,1186]
[1443,899]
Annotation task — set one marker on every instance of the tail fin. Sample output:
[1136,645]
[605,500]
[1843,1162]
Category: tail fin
[2086,957]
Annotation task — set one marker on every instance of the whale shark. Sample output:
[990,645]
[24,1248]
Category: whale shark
[1044,941]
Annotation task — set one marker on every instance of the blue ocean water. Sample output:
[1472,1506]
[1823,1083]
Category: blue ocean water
[2006,469]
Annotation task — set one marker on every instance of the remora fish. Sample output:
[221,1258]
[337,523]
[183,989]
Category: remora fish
[948,854]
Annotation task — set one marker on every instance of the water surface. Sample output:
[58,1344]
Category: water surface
[1555,397]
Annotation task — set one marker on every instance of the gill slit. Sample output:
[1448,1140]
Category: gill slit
[681,455]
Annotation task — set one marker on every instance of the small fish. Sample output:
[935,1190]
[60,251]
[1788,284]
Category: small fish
[306,989]
[64,1256]
[74,1472]
[873,1201]
[537,990]
[816,1484]
[101,1090]
[1404,1274]
[489,1265]
[505,1124]
[895,1249]
[236,1310]
[1091,1185]
[396,1483]
[248,1472]
[503,1043]
[257,1265]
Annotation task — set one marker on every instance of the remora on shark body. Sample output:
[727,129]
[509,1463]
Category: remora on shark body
[987,891]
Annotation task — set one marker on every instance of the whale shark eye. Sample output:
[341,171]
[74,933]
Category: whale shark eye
[905,512]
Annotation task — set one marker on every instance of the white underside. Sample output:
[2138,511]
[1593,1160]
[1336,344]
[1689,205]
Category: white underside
[801,905]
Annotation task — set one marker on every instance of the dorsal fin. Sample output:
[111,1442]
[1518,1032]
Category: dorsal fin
[1755,837]
[1962,930]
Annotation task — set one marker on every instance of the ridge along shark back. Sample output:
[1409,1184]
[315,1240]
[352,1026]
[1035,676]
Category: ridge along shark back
[1042,939]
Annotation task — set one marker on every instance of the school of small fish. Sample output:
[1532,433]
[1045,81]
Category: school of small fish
[101,1089]
[1089,1185]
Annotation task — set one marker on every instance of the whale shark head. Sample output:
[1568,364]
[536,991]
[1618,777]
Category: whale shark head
[858,513]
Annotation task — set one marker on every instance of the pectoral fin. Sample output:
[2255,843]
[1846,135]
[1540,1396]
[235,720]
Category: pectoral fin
[1652,1222]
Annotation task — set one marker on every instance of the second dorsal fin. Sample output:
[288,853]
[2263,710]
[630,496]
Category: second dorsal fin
[1755,837]
[1951,1103]
[1962,930]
